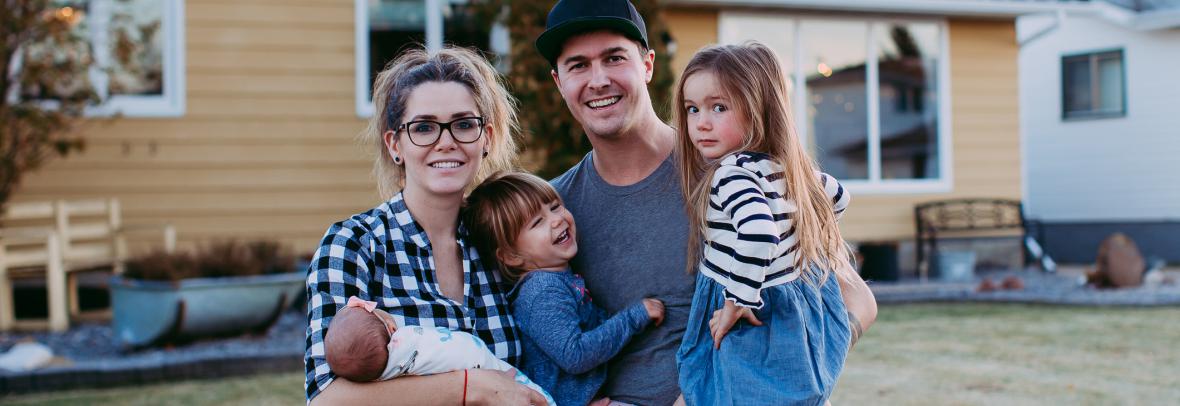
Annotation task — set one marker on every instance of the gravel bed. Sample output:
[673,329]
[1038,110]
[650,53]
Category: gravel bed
[93,346]
[91,356]
[1039,287]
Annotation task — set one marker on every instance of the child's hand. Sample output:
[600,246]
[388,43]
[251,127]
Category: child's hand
[725,318]
[655,310]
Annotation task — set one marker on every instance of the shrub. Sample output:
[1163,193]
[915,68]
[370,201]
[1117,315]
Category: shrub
[215,259]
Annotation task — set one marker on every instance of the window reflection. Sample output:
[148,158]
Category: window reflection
[907,60]
[775,32]
[1093,85]
[396,25]
[834,58]
[136,46]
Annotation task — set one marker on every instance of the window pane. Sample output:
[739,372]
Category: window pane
[136,47]
[834,59]
[775,31]
[1076,84]
[1110,83]
[393,25]
[461,28]
[907,63]
[396,25]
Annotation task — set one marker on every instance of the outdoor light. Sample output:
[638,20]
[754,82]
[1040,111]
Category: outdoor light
[823,69]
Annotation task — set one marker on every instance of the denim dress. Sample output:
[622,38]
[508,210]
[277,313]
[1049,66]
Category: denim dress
[793,358]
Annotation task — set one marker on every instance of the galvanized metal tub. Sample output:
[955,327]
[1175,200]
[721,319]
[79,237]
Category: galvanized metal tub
[152,312]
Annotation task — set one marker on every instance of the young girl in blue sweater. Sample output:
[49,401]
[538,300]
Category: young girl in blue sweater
[767,324]
[519,219]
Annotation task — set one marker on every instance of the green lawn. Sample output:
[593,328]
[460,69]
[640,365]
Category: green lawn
[915,354]
[1015,354]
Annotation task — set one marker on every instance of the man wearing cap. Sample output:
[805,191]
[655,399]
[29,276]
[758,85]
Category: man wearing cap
[625,193]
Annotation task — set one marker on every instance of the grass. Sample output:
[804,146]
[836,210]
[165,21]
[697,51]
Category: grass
[927,354]
[1015,355]
[280,389]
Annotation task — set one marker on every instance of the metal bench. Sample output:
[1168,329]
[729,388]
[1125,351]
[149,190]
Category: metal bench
[965,218]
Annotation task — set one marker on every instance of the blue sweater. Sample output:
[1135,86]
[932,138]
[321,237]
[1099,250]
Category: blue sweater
[567,340]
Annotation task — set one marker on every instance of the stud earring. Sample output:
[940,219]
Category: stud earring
[397,159]
[485,153]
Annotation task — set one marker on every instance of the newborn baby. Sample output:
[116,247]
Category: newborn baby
[364,344]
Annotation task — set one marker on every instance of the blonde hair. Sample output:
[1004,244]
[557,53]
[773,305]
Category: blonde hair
[416,66]
[750,76]
[499,208]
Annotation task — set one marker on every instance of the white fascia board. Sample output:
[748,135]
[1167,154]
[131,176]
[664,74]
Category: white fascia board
[1145,21]
[1139,21]
[973,8]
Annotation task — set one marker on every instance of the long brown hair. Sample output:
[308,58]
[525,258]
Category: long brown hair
[416,66]
[750,76]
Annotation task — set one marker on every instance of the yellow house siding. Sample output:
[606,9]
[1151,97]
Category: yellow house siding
[692,29]
[985,132]
[266,147]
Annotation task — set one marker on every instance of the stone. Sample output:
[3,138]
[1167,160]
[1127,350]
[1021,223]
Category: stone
[1119,263]
[26,356]
[986,285]
[1012,282]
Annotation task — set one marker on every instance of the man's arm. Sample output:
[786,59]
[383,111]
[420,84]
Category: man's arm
[483,387]
[859,301]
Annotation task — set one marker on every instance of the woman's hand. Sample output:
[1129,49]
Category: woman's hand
[724,319]
[491,387]
[655,310]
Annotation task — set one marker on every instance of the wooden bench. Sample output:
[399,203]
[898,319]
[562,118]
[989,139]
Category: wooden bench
[54,240]
[965,218]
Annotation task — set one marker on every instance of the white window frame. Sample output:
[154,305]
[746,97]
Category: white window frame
[169,104]
[434,40]
[874,185]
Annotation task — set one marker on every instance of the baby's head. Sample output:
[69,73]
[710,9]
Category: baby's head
[356,346]
[520,220]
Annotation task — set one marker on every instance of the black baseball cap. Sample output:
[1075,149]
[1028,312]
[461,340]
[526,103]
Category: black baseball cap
[572,17]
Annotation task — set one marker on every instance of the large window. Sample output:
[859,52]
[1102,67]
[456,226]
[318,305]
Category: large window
[1092,85]
[386,27]
[868,94]
[138,52]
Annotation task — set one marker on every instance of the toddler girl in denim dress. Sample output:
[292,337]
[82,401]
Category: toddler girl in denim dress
[767,324]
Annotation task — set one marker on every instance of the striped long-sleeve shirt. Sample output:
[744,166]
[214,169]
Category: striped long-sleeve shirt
[750,238]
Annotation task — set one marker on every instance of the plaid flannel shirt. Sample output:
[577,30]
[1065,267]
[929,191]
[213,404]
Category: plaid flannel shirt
[382,255]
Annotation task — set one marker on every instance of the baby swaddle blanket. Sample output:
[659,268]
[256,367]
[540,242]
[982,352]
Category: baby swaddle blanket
[416,350]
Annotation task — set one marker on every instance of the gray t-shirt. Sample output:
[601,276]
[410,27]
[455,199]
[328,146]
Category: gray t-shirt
[631,245]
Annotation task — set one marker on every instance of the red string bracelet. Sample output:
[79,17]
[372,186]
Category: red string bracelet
[464,387]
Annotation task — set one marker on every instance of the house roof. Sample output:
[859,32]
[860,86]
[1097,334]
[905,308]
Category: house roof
[1142,15]
[972,8]
[1146,5]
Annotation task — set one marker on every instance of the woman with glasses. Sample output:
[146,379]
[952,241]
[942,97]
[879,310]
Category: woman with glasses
[444,122]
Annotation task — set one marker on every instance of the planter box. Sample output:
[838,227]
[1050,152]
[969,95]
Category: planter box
[955,266]
[152,312]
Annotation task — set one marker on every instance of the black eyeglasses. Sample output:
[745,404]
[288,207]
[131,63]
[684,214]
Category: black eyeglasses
[425,133]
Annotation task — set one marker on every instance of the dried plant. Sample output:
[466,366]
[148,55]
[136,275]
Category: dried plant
[216,259]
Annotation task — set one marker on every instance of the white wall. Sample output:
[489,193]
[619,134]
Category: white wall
[1113,169]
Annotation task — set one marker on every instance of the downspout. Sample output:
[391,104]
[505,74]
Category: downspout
[1058,21]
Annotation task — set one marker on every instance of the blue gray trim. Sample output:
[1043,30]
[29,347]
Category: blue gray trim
[1077,242]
